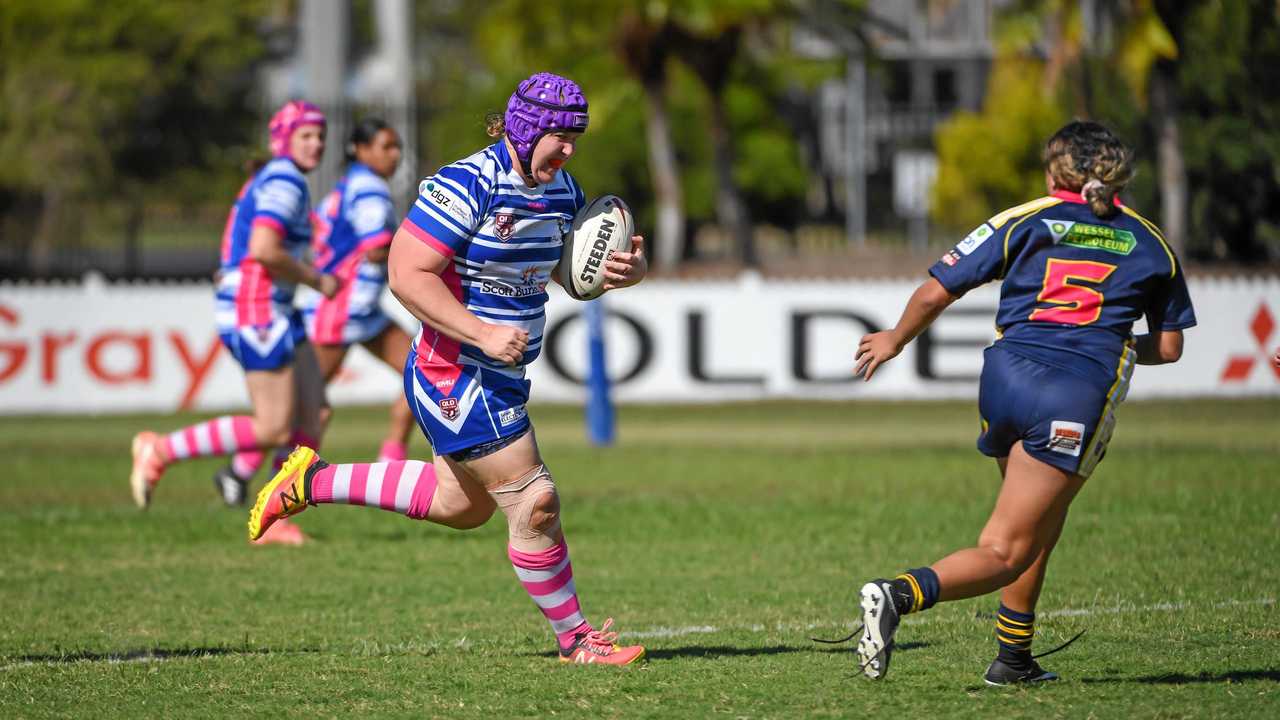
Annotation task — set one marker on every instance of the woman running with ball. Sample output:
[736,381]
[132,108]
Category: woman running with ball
[472,261]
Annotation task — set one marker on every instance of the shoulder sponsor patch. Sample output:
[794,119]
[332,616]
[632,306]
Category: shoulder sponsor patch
[975,239]
[1066,437]
[1091,237]
[444,200]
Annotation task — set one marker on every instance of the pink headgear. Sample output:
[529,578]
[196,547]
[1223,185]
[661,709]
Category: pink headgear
[293,115]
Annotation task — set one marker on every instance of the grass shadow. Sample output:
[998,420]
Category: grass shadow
[1231,676]
[712,652]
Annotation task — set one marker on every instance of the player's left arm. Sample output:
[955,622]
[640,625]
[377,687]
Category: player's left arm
[1169,312]
[1159,348]
[624,269]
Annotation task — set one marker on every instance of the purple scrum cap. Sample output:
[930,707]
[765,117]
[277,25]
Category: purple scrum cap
[543,103]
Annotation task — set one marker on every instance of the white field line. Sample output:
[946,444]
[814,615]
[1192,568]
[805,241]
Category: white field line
[685,631]
[673,632]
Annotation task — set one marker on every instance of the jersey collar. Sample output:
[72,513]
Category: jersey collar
[513,172]
[504,158]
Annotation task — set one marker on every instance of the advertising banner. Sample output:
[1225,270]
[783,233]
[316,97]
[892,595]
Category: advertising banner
[95,347]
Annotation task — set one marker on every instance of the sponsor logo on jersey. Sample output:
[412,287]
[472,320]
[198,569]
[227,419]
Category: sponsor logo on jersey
[503,225]
[444,201]
[449,408]
[1091,237]
[951,258]
[974,239]
[492,288]
[510,415]
[1066,437]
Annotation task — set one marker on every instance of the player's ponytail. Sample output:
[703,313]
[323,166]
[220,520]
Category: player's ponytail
[1087,158]
[494,125]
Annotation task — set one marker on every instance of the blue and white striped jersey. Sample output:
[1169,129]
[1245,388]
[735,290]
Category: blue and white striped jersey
[504,238]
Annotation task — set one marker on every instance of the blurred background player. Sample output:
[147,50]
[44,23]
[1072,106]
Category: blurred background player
[1077,269]
[353,227]
[267,233]
[472,261]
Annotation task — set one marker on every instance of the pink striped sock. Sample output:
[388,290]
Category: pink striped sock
[392,450]
[245,463]
[219,436]
[406,487]
[548,578]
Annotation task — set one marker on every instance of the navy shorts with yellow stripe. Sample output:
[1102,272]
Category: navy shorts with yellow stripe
[1062,418]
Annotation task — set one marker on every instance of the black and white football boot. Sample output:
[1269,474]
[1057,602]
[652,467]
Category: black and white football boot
[1001,674]
[233,490]
[879,623]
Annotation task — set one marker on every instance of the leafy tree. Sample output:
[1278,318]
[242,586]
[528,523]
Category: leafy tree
[101,99]
[990,160]
[1186,83]
[1227,92]
[661,45]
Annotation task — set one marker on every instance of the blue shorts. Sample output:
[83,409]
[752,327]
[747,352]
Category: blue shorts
[266,347]
[466,408]
[1063,418]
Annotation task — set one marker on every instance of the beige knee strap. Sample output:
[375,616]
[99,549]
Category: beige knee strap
[517,499]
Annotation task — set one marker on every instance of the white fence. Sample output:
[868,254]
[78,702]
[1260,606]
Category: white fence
[111,348]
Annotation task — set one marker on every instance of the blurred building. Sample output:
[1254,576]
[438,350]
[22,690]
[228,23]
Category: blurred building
[914,63]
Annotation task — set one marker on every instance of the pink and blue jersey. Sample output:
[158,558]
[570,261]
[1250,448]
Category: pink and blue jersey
[356,217]
[504,240]
[254,312]
[1073,285]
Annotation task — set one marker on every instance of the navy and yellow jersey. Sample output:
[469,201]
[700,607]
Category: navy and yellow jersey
[1073,283]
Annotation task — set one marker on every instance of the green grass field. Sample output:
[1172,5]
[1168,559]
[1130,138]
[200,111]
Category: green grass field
[721,537]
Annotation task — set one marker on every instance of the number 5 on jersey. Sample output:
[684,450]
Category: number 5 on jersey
[1074,304]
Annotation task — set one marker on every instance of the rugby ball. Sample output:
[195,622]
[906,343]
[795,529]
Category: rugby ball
[600,229]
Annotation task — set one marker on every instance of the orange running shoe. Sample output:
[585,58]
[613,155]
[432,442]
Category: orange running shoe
[598,647]
[282,532]
[147,467]
[285,494]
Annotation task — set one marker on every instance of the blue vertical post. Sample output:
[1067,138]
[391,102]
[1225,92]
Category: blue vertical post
[600,429]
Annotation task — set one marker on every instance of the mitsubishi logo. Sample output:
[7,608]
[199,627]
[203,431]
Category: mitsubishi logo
[1240,367]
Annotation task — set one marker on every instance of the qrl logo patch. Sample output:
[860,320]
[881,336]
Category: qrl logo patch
[449,408]
[503,224]
[1066,437]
